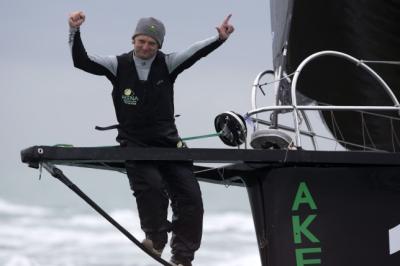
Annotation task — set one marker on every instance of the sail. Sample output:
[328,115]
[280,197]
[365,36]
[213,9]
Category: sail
[368,30]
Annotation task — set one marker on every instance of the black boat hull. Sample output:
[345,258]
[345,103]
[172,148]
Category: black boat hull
[326,215]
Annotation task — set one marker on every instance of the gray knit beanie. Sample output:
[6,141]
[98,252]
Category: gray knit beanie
[151,27]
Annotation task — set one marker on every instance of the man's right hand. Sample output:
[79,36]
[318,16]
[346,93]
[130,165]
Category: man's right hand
[76,19]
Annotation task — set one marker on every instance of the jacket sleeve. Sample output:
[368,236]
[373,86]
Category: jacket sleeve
[97,65]
[178,62]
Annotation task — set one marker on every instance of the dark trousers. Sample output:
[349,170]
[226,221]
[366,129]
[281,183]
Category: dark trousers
[153,184]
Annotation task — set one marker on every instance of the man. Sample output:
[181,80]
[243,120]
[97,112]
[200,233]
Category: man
[143,82]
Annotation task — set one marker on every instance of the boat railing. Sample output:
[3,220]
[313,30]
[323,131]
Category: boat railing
[295,108]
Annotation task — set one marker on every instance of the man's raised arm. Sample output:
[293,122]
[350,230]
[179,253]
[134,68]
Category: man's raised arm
[178,62]
[98,65]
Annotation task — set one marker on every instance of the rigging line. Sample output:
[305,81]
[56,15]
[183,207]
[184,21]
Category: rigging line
[366,112]
[337,125]
[221,172]
[394,136]
[57,173]
[334,129]
[362,130]
[369,135]
[112,168]
[377,115]
[334,126]
[287,150]
[391,130]
[380,62]
[349,143]
[364,124]
[277,80]
[346,142]
[212,168]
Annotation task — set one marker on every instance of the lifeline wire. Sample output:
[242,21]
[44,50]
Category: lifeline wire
[361,61]
[366,112]
[380,62]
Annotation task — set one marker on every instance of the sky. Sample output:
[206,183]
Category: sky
[46,101]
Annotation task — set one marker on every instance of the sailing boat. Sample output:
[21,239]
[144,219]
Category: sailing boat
[339,58]
[310,206]
[367,30]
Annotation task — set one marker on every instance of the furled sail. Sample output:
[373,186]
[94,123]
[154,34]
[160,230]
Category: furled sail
[365,29]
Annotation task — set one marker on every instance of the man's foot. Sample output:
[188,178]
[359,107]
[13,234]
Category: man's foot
[176,262]
[148,244]
[179,264]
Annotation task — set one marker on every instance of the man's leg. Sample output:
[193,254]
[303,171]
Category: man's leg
[152,200]
[187,206]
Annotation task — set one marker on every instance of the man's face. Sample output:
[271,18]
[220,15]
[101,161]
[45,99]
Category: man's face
[145,46]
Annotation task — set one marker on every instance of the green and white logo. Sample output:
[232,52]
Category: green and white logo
[129,97]
[152,28]
[127,92]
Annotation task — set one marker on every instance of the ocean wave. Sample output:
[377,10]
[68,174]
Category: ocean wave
[19,260]
[35,235]
[8,208]
[93,221]
[21,216]
[229,221]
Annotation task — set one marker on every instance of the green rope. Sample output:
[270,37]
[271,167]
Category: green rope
[202,136]
[183,139]
[64,145]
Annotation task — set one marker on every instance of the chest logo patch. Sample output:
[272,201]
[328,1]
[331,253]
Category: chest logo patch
[129,97]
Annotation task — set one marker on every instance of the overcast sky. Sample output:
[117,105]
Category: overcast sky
[45,100]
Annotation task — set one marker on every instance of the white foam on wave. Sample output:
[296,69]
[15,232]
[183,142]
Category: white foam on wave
[9,208]
[87,221]
[228,252]
[19,260]
[87,230]
[229,221]
[33,235]
[240,260]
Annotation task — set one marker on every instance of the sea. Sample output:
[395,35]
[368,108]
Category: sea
[48,225]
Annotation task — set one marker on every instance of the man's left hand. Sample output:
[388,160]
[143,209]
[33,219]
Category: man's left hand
[225,29]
